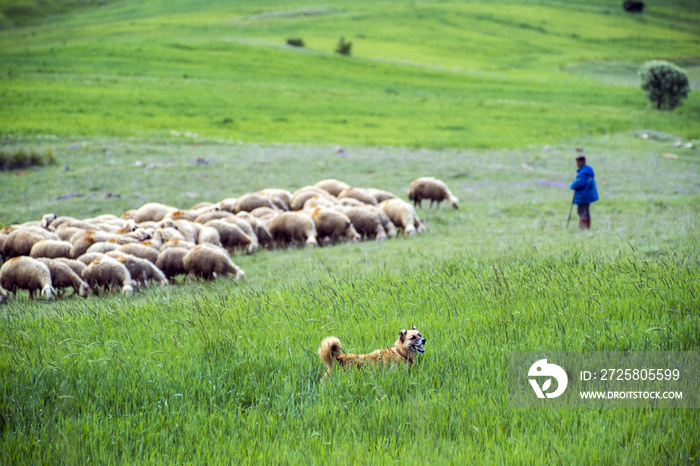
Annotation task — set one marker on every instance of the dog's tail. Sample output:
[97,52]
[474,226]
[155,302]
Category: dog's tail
[329,350]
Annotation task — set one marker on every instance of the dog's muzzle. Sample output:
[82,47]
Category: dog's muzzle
[418,346]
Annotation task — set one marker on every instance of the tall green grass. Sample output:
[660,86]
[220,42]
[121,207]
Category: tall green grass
[230,373]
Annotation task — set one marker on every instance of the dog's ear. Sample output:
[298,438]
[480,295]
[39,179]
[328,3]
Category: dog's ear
[414,328]
[402,334]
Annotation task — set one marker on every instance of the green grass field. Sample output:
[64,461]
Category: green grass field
[491,97]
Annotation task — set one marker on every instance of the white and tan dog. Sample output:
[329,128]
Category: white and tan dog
[408,344]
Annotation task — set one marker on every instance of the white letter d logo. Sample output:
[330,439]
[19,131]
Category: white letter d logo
[542,369]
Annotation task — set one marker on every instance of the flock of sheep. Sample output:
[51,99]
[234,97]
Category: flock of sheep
[157,242]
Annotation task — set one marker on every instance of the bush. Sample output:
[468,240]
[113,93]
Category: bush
[343,48]
[295,42]
[21,157]
[633,6]
[665,83]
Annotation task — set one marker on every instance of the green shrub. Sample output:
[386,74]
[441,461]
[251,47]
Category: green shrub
[21,157]
[665,83]
[633,6]
[344,48]
[294,42]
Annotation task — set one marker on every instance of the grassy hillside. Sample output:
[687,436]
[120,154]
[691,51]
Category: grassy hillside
[436,74]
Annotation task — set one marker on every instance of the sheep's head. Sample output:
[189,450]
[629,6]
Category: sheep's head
[47,219]
[47,292]
[454,202]
[410,230]
[128,290]
[351,233]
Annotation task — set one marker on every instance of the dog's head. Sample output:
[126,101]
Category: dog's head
[411,341]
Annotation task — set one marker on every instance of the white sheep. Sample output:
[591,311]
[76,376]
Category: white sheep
[21,240]
[152,211]
[332,225]
[189,215]
[431,188]
[106,272]
[117,226]
[233,237]
[58,221]
[209,235]
[366,220]
[241,223]
[188,229]
[155,241]
[141,270]
[281,198]
[62,276]
[292,227]
[75,265]
[209,262]
[170,233]
[319,201]
[26,273]
[86,238]
[250,201]
[350,202]
[360,194]
[302,195]
[103,247]
[262,213]
[89,257]
[171,261]
[381,195]
[388,225]
[205,217]
[228,204]
[82,224]
[4,233]
[403,215]
[259,227]
[51,249]
[65,233]
[332,186]
[140,250]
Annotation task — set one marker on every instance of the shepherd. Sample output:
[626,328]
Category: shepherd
[585,192]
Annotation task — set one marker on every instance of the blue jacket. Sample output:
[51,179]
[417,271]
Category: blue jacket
[584,185]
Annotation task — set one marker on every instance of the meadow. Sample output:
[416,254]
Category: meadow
[227,372]
[422,74]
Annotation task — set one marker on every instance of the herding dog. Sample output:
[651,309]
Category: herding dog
[405,348]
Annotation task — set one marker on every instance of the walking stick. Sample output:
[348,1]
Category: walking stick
[571,209]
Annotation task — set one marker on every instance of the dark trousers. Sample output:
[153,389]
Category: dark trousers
[584,212]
